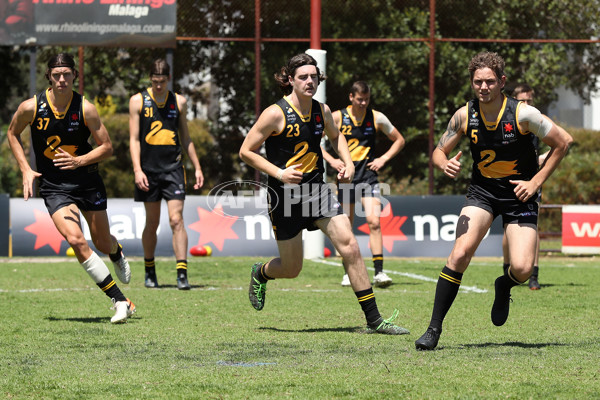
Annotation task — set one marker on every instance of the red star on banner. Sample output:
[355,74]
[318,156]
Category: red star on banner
[214,226]
[390,227]
[45,231]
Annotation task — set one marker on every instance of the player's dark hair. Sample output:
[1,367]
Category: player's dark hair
[293,64]
[160,67]
[360,87]
[61,60]
[522,88]
[489,60]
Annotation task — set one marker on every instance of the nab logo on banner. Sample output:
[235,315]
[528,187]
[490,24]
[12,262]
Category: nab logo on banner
[581,229]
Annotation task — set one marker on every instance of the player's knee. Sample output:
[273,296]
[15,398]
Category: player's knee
[77,242]
[374,224]
[176,222]
[349,248]
[460,258]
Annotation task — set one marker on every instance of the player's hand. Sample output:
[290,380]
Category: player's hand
[141,181]
[376,164]
[291,174]
[347,174]
[64,160]
[452,168]
[28,178]
[199,179]
[524,190]
[337,164]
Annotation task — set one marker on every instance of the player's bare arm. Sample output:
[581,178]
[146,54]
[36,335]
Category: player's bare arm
[269,122]
[340,145]
[102,151]
[383,124]
[135,107]
[186,142]
[454,132]
[335,163]
[556,138]
[20,120]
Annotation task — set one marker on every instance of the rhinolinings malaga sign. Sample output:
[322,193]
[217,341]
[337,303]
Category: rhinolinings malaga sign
[88,22]
[238,225]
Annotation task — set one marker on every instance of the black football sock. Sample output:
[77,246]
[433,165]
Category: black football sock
[182,267]
[263,277]
[366,299]
[445,293]
[378,263]
[116,256]
[149,265]
[508,280]
[110,288]
[535,272]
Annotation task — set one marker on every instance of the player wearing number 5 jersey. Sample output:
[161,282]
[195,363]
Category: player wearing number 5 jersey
[291,130]
[158,133]
[505,182]
[67,168]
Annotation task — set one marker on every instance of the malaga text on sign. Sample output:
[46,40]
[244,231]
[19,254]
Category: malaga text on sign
[88,22]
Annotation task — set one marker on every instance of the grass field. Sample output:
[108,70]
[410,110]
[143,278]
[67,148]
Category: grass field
[56,340]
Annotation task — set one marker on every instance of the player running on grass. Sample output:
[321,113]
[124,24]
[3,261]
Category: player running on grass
[291,130]
[61,123]
[505,181]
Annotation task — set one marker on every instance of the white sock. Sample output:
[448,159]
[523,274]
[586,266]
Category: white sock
[96,268]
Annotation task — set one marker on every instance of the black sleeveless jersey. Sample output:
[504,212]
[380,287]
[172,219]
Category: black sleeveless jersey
[501,151]
[160,148]
[51,130]
[361,142]
[299,143]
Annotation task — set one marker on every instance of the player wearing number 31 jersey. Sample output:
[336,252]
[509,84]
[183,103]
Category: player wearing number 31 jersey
[158,133]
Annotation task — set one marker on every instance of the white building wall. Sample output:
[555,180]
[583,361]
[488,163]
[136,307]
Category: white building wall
[570,110]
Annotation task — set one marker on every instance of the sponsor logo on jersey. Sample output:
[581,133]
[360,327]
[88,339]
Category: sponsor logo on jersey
[172,114]
[509,131]
[474,120]
[43,110]
[73,122]
[318,124]
[291,115]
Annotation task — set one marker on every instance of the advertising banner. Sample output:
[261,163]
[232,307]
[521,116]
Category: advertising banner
[412,226]
[581,229]
[146,23]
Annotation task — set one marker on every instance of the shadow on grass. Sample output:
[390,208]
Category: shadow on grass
[315,330]
[88,320]
[397,285]
[513,344]
[549,285]
[169,286]
[92,320]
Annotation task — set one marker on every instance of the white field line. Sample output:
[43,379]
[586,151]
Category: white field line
[473,289]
